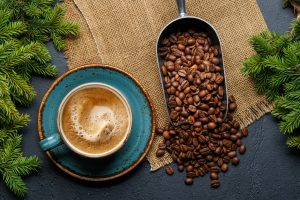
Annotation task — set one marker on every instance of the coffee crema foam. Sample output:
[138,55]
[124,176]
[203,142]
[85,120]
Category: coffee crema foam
[94,120]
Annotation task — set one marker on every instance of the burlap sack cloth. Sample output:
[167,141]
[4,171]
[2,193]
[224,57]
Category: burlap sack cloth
[124,33]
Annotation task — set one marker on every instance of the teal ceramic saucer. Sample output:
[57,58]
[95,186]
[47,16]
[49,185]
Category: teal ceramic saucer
[138,144]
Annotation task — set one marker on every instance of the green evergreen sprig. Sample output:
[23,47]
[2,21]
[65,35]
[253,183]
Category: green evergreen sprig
[24,27]
[275,69]
[43,22]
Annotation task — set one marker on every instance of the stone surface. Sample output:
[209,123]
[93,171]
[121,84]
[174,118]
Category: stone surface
[268,170]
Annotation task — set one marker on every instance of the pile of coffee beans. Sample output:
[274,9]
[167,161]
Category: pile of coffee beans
[199,138]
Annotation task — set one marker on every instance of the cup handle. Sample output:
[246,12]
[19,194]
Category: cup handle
[50,142]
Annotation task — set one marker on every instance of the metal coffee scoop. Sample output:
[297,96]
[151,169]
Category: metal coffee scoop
[184,23]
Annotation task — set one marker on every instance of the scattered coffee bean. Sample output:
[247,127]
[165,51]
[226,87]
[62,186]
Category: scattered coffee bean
[159,131]
[189,181]
[160,153]
[162,146]
[245,132]
[166,135]
[235,161]
[214,176]
[169,170]
[224,167]
[180,168]
[215,183]
[189,168]
[232,154]
[232,107]
[199,139]
[242,149]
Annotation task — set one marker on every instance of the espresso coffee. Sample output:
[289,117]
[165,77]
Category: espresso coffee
[94,120]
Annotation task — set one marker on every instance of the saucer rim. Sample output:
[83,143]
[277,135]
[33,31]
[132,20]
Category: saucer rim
[51,156]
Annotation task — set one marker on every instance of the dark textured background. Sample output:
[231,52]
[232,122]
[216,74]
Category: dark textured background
[269,170]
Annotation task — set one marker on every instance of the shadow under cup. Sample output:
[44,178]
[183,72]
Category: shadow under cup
[62,138]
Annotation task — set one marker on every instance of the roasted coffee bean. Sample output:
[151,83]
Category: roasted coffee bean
[245,132]
[162,146]
[233,137]
[202,93]
[189,181]
[204,107]
[224,167]
[205,151]
[191,174]
[191,41]
[211,125]
[232,154]
[209,158]
[236,125]
[226,159]
[192,108]
[166,135]
[189,168]
[214,169]
[211,111]
[215,183]
[180,168]
[169,170]
[182,73]
[235,161]
[231,99]
[239,142]
[232,107]
[181,47]
[172,132]
[214,176]
[227,143]
[242,149]
[233,147]
[160,153]
[159,131]
[215,60]
[218,150]
[190,100]
[220,162]
[239,135]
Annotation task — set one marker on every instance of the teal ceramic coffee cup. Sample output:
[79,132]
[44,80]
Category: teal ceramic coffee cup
[60,138]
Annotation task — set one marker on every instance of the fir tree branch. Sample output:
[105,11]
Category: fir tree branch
[11,149]
[8,111]
[58,41]
[13,29]
[263,44]
[48,70]
[22,166]
[25,54]
[252,65]
[295,27]
[68,29]
[290,121]
[21,91]
[14,183]
[293,142]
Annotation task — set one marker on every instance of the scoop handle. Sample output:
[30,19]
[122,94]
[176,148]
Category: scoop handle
[181,7]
